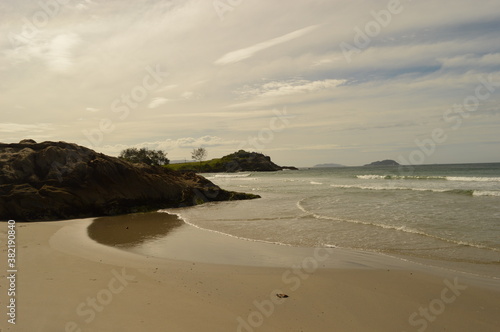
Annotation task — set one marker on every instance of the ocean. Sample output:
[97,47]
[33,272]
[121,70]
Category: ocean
[440,215]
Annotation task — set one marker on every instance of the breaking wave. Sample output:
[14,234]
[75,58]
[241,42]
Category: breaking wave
[421,177]
[392,227]
[451,191]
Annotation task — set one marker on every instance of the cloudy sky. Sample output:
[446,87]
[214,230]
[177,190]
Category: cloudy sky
[304,81]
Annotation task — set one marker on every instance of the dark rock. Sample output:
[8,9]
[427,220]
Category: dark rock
[241,161]
[59,180]
[386,162]
[27,141]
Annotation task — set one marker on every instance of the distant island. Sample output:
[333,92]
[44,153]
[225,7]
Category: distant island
[329,165]
[241,161]
[59,180]
[386,162]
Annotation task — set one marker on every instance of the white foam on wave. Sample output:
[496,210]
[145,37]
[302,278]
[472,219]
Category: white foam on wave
[399,177]
[342,186]
[486,193]
[473,179]
[392,227]
[422,177]
[452,191]
[371,177]
[315,183]
[186,220]
[237,175]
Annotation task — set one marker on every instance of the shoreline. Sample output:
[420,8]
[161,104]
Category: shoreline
[61,268]
[189,242]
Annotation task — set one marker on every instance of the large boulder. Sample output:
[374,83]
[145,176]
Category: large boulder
[59,180]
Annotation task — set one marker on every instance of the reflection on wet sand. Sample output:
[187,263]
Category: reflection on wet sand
[131,230]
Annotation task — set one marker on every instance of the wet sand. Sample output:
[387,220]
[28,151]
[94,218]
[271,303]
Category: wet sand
[211,282]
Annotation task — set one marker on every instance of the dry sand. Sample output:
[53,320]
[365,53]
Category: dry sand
[67,282]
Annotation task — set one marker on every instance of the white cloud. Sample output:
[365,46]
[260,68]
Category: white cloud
[471,60]
[289,87]
[157,102]
[187,95]
[23,127]
[55,50]
[59,56]
[244,53]
[412,72]
[166,88]
[176,148]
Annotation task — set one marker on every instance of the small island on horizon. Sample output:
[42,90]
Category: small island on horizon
[387,162]
[328,165]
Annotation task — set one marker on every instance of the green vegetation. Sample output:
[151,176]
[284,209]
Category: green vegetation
[234,162]
[144,155]
[202,166]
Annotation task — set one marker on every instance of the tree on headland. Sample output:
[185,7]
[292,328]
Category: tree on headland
[199,154]
[144,155]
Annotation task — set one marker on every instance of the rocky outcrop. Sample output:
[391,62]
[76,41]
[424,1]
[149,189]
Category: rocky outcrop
[386,162]
[241,161]
[59,180]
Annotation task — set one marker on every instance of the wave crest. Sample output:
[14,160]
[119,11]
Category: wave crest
[422,177]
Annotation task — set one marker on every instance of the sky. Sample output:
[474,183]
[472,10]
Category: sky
[304,81]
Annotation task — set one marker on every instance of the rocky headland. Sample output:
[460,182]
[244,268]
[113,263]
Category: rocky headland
[240,161]
[59,180]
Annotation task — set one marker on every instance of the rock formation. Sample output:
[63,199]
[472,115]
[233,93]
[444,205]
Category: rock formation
[241,161]
[59,180]
[386,162]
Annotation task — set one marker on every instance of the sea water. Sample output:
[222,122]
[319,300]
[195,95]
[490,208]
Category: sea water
[442,215]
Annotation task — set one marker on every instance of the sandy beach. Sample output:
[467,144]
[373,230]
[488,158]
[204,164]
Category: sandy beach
[68,282]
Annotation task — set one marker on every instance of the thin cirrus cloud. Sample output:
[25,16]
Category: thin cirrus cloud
[23,127]
[285,88]
[95,52]
[55,51]
[244,53]
[157,102]
[60,58]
